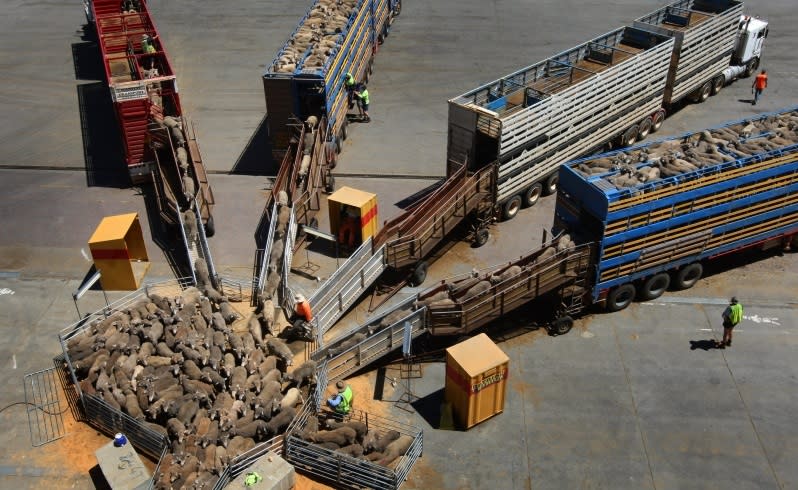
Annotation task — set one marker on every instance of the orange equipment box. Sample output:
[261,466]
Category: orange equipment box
[119,253]
[476,380]
[347,203]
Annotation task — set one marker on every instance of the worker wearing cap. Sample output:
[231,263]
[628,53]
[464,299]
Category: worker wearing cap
[349,85]
[341,402]
[732,315]
[362,94]
[302,307]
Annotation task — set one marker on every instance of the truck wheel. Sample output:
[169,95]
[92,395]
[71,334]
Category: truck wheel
[562,325]
[332,156]
[419,274]
[397,9]
[655,286]
[511,207]
[620,297]
[630,135]
[688,276]
[532,194]
[703,93]
[657,120]
[210,227]
[481,237]
[344,133]
[751,67]
[329,186]
[644,129]
[337,142]
[717,84]
[551,184]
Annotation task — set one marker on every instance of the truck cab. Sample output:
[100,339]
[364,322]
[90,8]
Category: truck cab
[751,36]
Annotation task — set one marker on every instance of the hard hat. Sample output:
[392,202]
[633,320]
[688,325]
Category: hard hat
[340,385]
[733,300]
[299,297]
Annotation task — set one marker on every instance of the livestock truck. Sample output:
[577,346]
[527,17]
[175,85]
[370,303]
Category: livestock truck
[306,77]
[621,231]
[616,88]
[158,141]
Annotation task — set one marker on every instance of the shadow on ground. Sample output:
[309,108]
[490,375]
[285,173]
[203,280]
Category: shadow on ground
[102,144]
[256,158]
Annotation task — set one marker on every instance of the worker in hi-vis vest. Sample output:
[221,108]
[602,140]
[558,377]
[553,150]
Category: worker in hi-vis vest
[342,402]
[732,315]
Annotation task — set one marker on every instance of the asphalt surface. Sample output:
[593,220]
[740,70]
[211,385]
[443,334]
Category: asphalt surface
[627,400]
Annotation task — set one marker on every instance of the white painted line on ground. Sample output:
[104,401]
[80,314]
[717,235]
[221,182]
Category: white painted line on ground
[5,291]
[85,255]
[762,319]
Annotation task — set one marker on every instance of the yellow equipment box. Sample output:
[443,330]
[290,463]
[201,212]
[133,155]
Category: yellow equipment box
[117,247]
[352,208]
[476,380]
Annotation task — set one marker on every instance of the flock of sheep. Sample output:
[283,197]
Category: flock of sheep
[706,148]
[188,369]
[319,36]
[353,438]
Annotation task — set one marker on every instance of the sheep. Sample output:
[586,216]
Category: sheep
[280,422]
[305,372]
[272,283]
[381,443]
[508,273]
[228,313]
[190,221]
[176,429]
[360,428]
[255,329]
[395,449]
[192,370]
[290,400]
[353,450]
[255,430]
[278,348]
[342,436]
[238,380]
[478,289]
[132,406]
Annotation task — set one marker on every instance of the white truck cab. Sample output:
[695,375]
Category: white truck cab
[751,36]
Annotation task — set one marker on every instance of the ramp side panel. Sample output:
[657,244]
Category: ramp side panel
[347,284]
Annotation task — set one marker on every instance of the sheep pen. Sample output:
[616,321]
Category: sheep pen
[188,370]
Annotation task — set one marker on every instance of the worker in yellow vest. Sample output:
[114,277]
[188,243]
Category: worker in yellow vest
[732,315]
[362,95]
[342,402]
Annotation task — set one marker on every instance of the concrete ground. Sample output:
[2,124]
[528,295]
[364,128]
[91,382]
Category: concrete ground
[623,401]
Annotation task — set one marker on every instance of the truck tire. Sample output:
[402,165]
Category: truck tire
[397,8]
[620,297]
[657,119]
[561,325]
[717,84]
[210,227]
[688,276]
[532,195]
[511,207]
[551,184]
[751,67]
[337,142]
[419,274]
[329,185]
[481,237]
[655,286]
[344,133]
[630,135]
[644,128]
[703,93]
